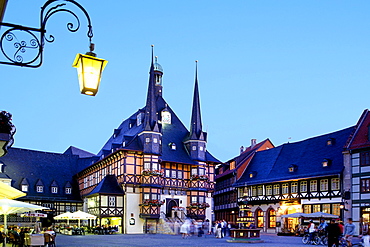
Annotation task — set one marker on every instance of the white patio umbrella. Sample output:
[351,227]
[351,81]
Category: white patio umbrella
[64,216]
[8,206]
[9,192]
[294,215]
[321,215]
[79,215]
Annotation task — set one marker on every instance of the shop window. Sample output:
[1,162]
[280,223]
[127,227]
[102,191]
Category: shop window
[260,218]
[272,218]
[307,209]
[336,209]
[316,208]
[326,208]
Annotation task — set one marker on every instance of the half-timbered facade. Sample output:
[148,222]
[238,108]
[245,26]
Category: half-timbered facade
[356,202]
[162,168]
[304,176]
[225,196]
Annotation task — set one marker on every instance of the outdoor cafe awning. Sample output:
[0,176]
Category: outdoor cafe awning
[9,192]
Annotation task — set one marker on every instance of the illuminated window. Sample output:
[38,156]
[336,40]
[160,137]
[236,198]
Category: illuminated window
[269,190]
[260,221]
[324,185]
[276,189]
[272,218]
[285,188]
[25,188]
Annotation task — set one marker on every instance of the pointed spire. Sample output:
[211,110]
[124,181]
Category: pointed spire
[151,108]
[196,120]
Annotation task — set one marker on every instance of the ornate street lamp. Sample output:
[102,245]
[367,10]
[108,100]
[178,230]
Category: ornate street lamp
[23,46]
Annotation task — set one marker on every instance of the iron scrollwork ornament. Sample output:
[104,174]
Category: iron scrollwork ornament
[23,46]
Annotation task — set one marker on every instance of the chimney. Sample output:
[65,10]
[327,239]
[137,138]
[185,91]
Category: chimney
[241,149]
[253,142]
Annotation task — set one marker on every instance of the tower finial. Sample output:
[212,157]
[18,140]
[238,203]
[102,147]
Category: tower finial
[152,54]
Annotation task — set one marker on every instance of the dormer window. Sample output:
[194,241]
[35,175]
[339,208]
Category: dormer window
[173,146]
[68,190]
[292,168]
[138,119]
[330,142]
[252,174]
[39,188]
[166,116]
[24,188]
[54,189]
[326,163]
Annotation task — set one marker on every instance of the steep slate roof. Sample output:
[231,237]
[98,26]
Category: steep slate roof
[273,164]
[108,185]
[240,159]
[360,136]
[125,137]
[42,167]
[76,151]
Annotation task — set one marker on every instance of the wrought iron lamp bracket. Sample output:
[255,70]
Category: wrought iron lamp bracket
[23,46]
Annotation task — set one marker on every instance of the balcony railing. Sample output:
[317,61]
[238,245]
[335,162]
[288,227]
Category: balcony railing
[149,211]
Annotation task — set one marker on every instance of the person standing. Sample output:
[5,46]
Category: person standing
[311,230]
[365,232]
[349,231]
[334,233]
[223,228]
[206,228]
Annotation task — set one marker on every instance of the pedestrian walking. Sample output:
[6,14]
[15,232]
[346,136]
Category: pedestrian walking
[206,228]
[365,232]
[334,233]
[185,229]
[349,231]
[223,228]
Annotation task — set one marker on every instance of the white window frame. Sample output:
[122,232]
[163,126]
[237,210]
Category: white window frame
[112,201]
[303,185]
[285,188]
[276,189]
[54,189]
[324,185]
[268,190]
[294,187]
[313,185]
[68,191]
[39,188]
[24,187]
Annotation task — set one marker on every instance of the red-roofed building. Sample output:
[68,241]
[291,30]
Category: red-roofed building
[225,195]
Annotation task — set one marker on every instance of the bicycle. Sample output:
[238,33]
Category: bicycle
[315,241]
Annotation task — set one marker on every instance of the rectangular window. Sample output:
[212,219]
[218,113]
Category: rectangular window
[40,189]
[112,201]
[155,140]
[85,182]
[179,174]
[155,167]
[54,190]
[147,140]
[294,187]
[201,199]
[194,199]
[285,189]
[269,190]
[146,196]
[202,171]
[24,188]
[68,208]
[167,173]
[146,166]
[323,185]
[326,208]
[260,190]
[254,191]
[194,171]
[316,208]
[173,174]
[335,184]
[68,190]
[307,209]
[313,185]
[365,158]
[304,186]
[154,197]
[335,209]
[276,189]
[365,185]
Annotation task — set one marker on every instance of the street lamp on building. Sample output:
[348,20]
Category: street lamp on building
[23,46]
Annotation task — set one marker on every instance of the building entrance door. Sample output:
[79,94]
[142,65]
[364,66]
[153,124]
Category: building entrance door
[170,204]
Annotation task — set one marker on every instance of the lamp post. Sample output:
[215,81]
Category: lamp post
[23,46]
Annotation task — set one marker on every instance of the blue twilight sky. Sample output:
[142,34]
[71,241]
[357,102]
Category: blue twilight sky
[267,69]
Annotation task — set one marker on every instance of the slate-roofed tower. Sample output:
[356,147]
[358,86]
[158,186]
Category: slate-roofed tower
[158,73]
[197,139]
[151,136]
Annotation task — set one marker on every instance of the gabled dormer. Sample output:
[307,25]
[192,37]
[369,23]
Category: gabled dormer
[54,187]
[39,186]
[25,185]
[197,139]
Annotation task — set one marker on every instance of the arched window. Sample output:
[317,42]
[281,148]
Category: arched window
[259,218]
[272,218]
